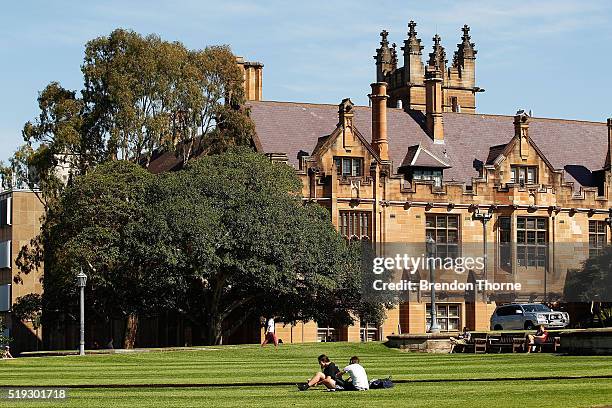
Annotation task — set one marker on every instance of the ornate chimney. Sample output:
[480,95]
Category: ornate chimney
[378,98]
[252,77]
[521,131]
[433,104]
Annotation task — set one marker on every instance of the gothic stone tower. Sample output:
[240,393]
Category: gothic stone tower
[407,83]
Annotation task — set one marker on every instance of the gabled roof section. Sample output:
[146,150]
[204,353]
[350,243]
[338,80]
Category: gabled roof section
[324,142]
[292,127]
[468,138]
[418,156]
[495,152]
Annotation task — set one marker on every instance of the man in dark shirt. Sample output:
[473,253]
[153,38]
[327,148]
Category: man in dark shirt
[328,376]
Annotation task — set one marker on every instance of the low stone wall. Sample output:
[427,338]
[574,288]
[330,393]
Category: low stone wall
[586,341]
[577,341]
[428,342]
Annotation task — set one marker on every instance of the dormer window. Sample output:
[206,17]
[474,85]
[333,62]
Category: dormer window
[524,174]
[349,166]
[428,174]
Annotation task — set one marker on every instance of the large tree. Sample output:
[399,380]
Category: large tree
[103,226]
[224,240]
[250,247]
[141,94]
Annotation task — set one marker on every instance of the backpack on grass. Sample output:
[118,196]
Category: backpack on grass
[379,384]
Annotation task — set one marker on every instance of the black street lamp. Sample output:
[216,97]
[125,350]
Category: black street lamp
[82,281]
[484,217]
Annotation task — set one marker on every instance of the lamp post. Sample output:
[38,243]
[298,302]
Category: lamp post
[484,217]
[82,281]
[431,250]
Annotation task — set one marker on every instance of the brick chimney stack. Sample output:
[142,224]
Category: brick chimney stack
[378,98]
[433,104]
[521,130]
[252,77]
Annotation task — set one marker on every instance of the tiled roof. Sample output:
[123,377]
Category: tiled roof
[293,127]
[568,144]
[494,152]
[417,156]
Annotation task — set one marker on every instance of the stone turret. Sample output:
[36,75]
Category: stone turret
[407,84]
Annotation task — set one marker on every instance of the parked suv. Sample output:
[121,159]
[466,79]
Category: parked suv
[526,316]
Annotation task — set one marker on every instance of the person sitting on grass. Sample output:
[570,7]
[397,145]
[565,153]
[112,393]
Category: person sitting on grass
[539,338]
[6,353]
[461,340]
[358,377]
[328,376]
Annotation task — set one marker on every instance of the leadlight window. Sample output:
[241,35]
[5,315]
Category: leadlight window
[505,243]
[524,174]
[349,166]
[428,174]
[444,229]
[356,224]
[532,241]
[448,316]
[597,237]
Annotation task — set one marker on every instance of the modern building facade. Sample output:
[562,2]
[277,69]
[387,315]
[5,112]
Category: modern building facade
[20,217]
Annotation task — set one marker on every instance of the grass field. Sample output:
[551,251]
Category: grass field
[433,380]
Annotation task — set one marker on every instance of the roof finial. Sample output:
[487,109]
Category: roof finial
[412,44]
[466,32]
[384,34]
[411,29]
[383,57]
[466,48]
[437,58]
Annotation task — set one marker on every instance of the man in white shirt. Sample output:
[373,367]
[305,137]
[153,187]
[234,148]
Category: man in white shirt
[358,380]
[270,335]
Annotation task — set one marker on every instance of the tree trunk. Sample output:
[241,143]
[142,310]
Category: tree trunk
[213,331]
[131,329]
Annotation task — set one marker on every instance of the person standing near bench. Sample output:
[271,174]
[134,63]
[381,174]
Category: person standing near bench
[539,338]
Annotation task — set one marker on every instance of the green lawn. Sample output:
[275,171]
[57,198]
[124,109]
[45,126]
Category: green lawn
[293,363]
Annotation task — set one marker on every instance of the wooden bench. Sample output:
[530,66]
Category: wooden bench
[552,343]
[504,342]
[480,341]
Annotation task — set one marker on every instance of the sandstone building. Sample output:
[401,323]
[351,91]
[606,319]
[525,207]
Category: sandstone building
[421,162]
[418,163]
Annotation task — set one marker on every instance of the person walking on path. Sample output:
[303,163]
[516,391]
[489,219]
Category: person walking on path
[270,335]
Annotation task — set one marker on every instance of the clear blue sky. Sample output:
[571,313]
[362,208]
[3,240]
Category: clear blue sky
[551,56]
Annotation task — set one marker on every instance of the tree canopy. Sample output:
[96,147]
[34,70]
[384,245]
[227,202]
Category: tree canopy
[140,94]
[226,239]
